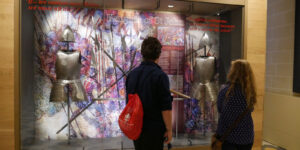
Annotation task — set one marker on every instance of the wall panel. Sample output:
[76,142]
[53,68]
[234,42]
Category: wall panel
[281,123]
[255,51]
[8,89]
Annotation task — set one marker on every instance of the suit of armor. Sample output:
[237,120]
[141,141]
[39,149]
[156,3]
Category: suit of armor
[68,73]
[67,68]
[204,89]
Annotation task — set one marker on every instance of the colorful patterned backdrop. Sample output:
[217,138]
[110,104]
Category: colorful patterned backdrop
[99,33]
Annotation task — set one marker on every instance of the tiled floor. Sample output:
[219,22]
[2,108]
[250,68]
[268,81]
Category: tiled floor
[269,146]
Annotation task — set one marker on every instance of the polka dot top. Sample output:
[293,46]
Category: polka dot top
[229,110]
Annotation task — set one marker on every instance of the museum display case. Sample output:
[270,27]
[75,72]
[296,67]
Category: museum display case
[75,56]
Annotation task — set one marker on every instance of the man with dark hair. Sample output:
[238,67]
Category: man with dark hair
[151,49]
[153,87]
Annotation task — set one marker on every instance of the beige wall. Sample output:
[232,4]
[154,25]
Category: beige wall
[8,90]
[282,121]
[281,110]
[255,53]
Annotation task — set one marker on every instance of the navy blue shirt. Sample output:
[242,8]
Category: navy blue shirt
[229,110]
[153,88]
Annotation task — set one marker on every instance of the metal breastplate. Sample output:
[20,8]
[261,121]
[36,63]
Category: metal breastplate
[203,85]
[67,73]
[204,69]
[67,65]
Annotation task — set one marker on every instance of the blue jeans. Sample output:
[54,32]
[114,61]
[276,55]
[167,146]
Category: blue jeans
[230,146]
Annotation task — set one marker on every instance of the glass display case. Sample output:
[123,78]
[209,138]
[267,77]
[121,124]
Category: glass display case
[199,42]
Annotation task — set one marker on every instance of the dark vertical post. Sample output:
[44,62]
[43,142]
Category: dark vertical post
[296,84]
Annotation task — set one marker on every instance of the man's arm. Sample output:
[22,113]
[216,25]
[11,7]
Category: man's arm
[167,116]
[166,106]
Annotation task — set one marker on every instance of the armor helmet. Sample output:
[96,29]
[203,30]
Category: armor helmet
[68,35]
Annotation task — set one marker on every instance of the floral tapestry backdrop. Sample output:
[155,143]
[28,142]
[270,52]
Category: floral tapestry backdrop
[102,35]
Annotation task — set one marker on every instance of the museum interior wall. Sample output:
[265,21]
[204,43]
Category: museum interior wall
[9,41]
[281,109]
[255,49]
[254,46]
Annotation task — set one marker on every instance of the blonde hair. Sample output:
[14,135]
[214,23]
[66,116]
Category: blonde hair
[242,74]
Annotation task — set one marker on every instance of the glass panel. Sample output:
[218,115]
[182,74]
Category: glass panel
[196,55]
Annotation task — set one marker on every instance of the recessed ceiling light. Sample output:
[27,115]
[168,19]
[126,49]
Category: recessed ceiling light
[171,6]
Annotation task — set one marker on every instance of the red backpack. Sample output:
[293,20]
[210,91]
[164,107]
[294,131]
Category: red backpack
[131,118]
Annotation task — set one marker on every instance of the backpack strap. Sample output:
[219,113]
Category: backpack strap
[138,81]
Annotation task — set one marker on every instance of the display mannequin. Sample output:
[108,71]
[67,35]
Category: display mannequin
[67,68]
